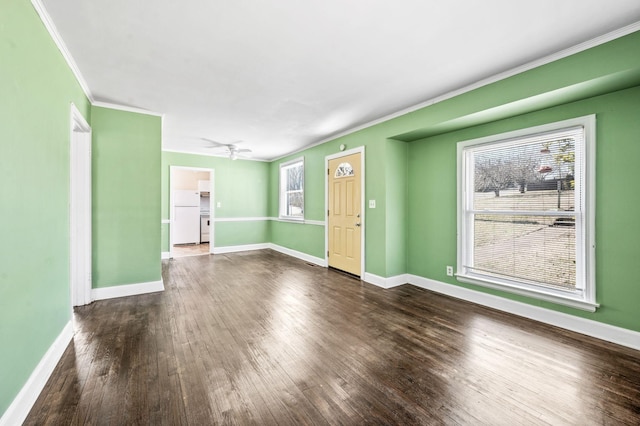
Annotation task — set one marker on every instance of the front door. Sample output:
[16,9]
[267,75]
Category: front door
[344,216]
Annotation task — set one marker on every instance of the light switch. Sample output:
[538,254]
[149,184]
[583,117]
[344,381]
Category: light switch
[219,204]
[372,204]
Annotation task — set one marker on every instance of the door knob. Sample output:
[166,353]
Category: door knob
[358,224]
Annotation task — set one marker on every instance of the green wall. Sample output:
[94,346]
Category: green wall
[290,235]
[241,233]
[304,238]
[396,214]
[413,228]
[36,90]
[240,187]
[126,197]
[432,201]
[410,172]
[603,69]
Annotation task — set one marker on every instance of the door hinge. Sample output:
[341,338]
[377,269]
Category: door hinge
[327,212]
[328,172]
[327,253]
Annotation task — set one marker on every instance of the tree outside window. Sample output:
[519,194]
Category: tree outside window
[292,189]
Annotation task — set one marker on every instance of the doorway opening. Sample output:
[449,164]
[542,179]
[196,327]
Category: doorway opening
[191,195]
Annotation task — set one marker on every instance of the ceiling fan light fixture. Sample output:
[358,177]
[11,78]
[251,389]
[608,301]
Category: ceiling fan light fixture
[231,148]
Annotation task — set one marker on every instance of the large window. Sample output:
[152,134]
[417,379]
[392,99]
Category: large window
[525,212]
[292,189]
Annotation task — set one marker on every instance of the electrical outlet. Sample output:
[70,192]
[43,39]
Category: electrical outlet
[372,204]
[219,204]
[450,271]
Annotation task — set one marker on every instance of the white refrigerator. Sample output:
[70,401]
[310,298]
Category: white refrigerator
[186,217]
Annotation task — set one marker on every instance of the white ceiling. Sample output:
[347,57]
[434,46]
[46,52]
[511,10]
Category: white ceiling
[280,75]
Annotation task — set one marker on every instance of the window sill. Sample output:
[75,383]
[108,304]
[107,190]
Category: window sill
[547,296]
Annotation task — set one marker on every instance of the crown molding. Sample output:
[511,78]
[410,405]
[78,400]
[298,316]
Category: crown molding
[179,151]
[597,41]
[125,108]
[57,39]
[62,47]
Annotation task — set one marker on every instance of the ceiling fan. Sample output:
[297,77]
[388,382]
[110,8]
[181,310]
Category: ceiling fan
[229,148]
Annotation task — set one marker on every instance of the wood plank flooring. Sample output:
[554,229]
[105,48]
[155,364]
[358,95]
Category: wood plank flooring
[262,338]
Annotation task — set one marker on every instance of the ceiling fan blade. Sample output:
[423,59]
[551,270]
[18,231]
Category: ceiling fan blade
[214,144]
[230,149]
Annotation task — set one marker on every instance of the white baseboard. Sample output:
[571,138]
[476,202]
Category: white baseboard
[385,282]
[300,255]
[294,253]
[22,403]
[235,249]
[126,290]
[599,330]
[165,255]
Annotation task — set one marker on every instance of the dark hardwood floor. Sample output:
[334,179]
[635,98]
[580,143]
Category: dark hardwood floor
[262,338]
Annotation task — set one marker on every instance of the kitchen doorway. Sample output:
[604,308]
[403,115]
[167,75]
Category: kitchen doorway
[191,204]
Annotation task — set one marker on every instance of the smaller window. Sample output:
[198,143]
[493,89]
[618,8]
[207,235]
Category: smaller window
[292,189]
[343,170]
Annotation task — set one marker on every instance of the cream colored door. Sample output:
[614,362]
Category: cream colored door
[344,216]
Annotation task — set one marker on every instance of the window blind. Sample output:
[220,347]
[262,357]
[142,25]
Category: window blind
[524,208]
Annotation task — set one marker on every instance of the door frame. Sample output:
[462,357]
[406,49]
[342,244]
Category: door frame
[359,149]
[80,209]
[212,204]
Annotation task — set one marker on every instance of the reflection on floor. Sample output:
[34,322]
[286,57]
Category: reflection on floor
[259,337]
[183,250]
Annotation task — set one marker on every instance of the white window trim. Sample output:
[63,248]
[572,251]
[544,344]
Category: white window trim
[282,216]
[585,248]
